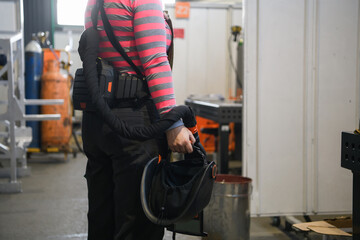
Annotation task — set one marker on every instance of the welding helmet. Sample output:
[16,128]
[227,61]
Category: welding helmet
[173,192]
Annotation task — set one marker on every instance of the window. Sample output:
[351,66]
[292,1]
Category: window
[71,12]
[167,1]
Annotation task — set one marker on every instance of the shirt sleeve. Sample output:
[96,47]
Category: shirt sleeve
[150,40]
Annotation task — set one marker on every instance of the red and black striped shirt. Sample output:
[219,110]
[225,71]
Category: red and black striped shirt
[140,28]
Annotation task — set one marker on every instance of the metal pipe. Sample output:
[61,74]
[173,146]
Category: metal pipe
[41,117]
[4,148]
[44,101]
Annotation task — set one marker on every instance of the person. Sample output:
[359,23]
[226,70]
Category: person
[115,164]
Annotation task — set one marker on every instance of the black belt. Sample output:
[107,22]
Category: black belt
[117,89]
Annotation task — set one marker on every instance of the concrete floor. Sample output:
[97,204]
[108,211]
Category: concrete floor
[53,205]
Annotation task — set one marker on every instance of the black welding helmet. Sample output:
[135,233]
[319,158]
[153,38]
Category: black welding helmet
[173,192]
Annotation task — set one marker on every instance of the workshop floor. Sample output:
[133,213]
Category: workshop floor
[53,205]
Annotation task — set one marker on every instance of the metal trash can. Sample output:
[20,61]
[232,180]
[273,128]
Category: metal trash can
[227,217]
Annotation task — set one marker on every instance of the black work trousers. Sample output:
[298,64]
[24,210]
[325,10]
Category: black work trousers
[113,173]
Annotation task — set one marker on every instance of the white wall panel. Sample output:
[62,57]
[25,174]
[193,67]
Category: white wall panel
[281,104]
[237,17]
[338,31]
[301,90]
[250,101]
[216,58]
[197,51]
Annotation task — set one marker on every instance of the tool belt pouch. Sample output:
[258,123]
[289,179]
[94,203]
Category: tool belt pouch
[114,87]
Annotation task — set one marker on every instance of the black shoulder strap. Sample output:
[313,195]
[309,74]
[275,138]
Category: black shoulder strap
[170,51]
[94,14]
[114,42]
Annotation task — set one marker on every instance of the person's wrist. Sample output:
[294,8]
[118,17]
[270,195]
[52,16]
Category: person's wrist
[175,125]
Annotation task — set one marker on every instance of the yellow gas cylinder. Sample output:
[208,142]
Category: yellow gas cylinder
[54,85]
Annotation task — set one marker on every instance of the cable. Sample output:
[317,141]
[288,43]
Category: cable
[77,142]
[237,76]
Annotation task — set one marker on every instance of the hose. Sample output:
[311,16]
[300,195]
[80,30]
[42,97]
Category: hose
[77,141]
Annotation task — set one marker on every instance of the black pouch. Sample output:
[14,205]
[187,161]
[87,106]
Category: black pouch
[128,86]
[173,192]
[81,96]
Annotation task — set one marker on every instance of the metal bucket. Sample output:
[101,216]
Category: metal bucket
[227,217]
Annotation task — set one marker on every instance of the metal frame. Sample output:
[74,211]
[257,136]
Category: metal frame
[350,159]
[223,113]
[17,136]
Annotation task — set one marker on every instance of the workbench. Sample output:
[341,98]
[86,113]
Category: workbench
[223,112]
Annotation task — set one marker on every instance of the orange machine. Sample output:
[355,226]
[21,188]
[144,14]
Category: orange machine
[54,85]
[209,141]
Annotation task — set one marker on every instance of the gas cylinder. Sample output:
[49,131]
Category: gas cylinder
[54,85]
[33,69]
[50,54]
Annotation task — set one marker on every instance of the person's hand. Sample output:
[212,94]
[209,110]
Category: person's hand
[180,139]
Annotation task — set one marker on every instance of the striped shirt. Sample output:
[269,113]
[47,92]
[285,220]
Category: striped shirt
[141,30]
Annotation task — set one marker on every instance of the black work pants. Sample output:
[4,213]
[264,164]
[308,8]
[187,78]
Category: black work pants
[113,173]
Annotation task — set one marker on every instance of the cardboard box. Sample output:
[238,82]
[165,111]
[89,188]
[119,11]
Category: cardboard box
[341,226]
